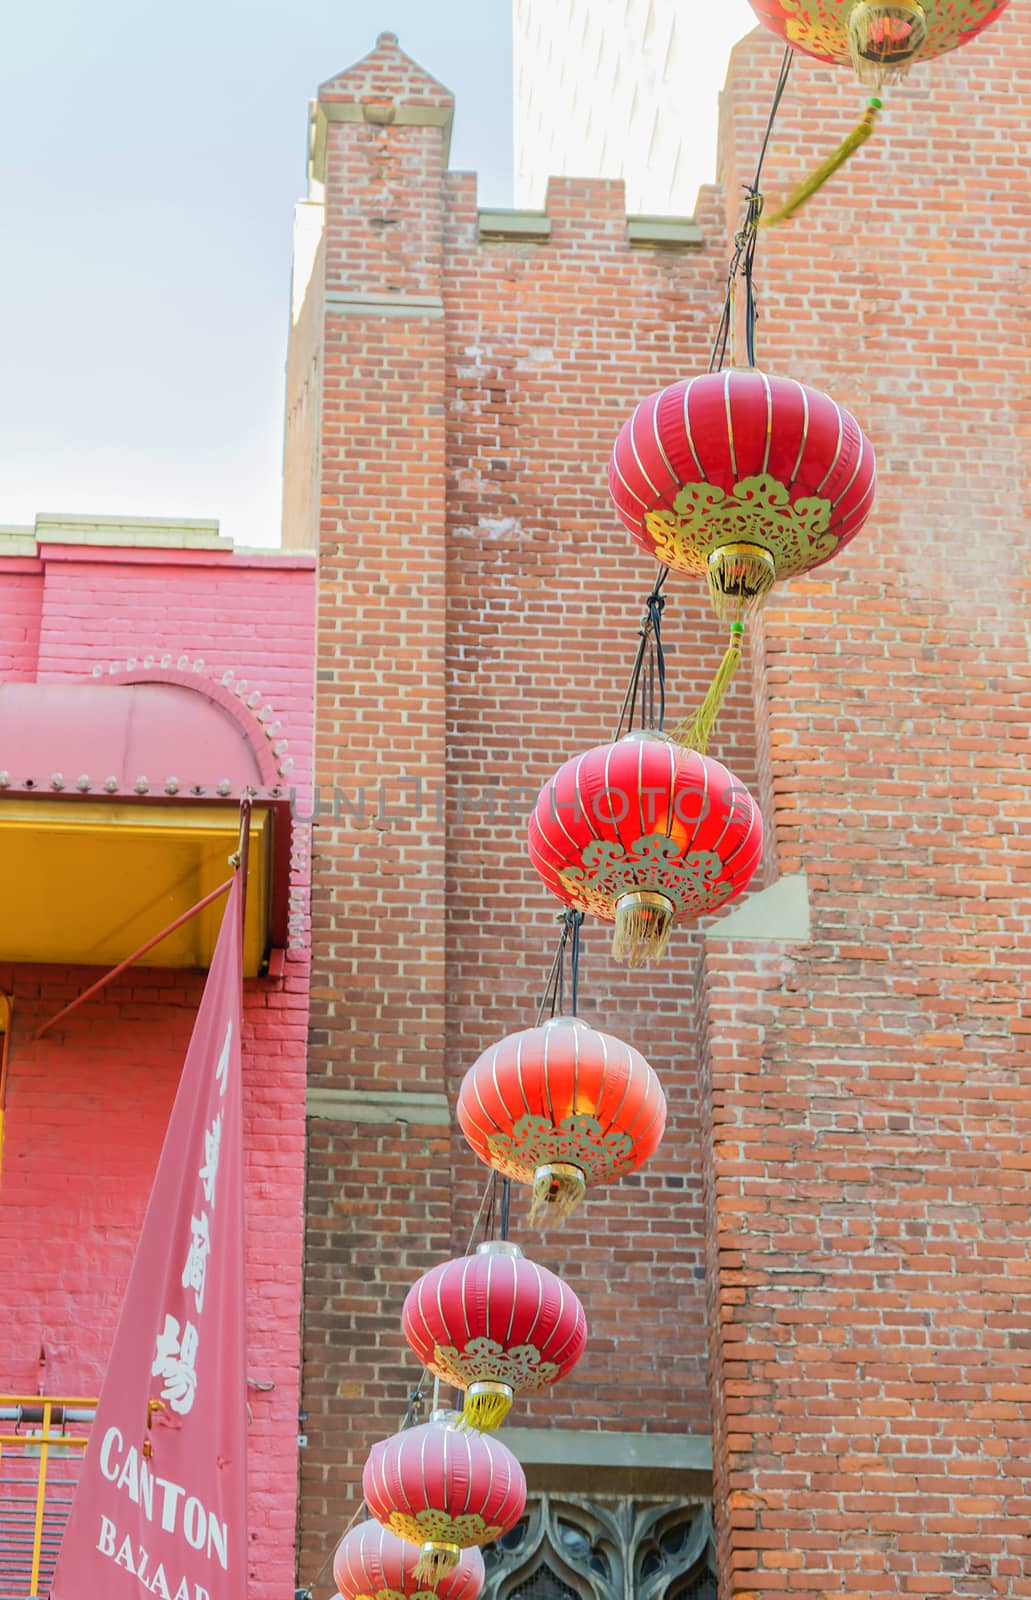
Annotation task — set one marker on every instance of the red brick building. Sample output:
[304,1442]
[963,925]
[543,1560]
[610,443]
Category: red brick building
[824,1270]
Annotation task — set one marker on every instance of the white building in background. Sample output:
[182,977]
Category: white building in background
[621,89]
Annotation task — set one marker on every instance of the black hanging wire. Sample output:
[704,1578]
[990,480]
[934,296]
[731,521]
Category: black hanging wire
[505,1207]
[553,998]
[577,919]
[572,921]
[742,262]
[650,652]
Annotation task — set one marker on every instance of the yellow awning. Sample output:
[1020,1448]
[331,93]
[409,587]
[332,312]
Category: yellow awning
[86,882]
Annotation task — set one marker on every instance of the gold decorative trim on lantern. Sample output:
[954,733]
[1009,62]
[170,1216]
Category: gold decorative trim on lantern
[537,1148]
[397,1594]
[430,1526]
[483,1360]
[757,513]
[610,874]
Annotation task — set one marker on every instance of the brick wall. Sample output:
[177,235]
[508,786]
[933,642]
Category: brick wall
[20,597]
[88,1104]
[866,1092]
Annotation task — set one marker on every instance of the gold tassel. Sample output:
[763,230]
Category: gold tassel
[695,733]
[884,39]
[740,576]
[557,1191]
[435,1562]
[848,146]
[644,922]
[486,1406]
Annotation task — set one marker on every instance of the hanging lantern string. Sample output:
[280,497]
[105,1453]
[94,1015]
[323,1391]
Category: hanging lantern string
[500,1206]
[554,990]
[742,261]
[649,638]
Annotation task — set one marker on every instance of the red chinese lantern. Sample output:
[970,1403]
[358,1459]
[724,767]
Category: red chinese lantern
[444,1489]
[495,1325]
[371,1563]
[562,1107]
[881,38]
[744,478]
[645,833]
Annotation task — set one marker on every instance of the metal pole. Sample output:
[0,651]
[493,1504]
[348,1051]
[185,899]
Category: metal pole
[101,983]
[37,1536]
[6,1008]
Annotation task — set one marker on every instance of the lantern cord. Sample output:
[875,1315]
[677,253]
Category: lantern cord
[742,261]
[553,999]
[649,640]
[573,922]
[549,999]
[506,1207]
[576,919]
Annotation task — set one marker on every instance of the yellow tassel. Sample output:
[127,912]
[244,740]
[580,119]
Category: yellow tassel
[848,146]
[644,922]
[557,1191]
[486,1406]
[435,1562]
[884,39]
[695,732]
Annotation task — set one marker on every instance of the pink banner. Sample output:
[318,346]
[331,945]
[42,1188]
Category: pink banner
[162,1509]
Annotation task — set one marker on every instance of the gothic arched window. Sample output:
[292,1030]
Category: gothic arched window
[569,1548]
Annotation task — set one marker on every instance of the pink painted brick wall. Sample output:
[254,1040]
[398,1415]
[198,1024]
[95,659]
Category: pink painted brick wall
[21,594]
[88,1106]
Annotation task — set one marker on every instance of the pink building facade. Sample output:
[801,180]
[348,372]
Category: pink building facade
[178,630]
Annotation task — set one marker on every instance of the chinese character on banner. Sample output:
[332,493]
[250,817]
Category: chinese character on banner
[212,1149]
[223,1060]
[173,1409]
[196,1268]
[175,1362]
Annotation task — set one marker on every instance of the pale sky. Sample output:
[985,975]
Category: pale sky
[150,158]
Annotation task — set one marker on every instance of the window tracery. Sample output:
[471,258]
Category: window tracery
[570,1548]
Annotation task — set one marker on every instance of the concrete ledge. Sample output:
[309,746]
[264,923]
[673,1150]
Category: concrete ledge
[680,232]
[16,540]
[380,1105]
[579,1461]
[519,227]
[388,113]
[778,912]
[384,305]
[180,533]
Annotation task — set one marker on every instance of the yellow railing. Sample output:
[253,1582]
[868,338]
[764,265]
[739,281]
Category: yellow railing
[40,1427]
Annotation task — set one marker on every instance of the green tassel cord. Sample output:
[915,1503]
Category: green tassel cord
[848,146]
[695,732]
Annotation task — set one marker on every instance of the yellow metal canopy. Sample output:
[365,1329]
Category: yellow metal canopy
[86,882]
